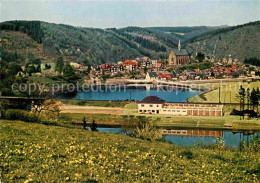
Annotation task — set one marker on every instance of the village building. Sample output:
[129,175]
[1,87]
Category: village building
[165,77]
[130,65]
[75,65]
[178,57]
[151,76]
[155,105]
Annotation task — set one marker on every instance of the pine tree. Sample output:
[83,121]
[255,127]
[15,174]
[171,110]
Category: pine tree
[59,65]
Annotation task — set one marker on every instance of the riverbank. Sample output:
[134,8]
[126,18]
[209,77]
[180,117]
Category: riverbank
[74,155]
[182,122]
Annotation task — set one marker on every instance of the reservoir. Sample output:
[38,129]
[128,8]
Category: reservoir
[170,95]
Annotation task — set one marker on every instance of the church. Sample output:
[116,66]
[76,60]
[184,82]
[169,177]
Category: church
[178,56]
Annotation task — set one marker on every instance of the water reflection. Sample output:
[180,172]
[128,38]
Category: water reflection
[197,133]
[189,137]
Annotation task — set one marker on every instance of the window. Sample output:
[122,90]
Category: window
[178,110]
[153,110]
[157,105]
[150,105]
[142,105]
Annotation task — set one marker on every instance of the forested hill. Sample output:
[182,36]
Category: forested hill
[23,41]
[242,41]
[186,33]
[84,45]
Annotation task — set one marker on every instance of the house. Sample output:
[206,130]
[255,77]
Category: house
[130,65]
[151,76]
[158,66]
[178,57]
[167,77]
[155,105]
[150,105]
[75,65]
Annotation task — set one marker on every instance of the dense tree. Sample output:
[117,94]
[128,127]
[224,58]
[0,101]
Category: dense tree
[93,126]
[38,69]
[32,28]
[47,66]
[59,65]
[200,56]
[241,96]
[30,69]
[14,68]
[252,61]
[8,77]
[69,73]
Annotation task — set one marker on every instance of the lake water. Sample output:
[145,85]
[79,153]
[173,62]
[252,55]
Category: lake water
[229,138]
[132,94]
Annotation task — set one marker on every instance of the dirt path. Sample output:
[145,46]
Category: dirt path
[91,109]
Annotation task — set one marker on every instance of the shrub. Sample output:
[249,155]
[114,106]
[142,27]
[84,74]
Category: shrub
[16,114]
[252,146]
[140,127]
[186,153]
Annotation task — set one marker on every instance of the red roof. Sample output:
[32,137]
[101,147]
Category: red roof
[104,66]
[197,70]
[131,62]
[167,76]
[158,65]
[234,67]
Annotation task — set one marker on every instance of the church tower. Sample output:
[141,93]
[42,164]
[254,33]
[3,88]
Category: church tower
[179,45]
[178,57]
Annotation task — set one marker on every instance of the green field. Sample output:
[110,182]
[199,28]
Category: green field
[228,92]
[38,153]
[169,121]
[95,103]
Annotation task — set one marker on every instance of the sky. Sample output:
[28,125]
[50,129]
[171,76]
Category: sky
[142,13]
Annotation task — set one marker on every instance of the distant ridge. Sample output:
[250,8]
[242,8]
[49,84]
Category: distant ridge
[241,41]
[91,46]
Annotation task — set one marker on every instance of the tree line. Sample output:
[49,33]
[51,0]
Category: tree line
[32,28]
[248,100]
[253,61]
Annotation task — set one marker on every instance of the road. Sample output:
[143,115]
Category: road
[91,109]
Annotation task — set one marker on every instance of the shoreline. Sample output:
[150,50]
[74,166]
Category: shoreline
[233,130]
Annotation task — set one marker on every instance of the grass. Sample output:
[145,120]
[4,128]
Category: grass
[96,103]
[99,118]
[228,92]
[38,153]
[173,121]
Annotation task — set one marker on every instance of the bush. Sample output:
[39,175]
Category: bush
[16,114]
[252,146]
[186,153]
[140,127]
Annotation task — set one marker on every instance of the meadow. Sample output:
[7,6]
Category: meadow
[166,121]
[228,92]
[32,152]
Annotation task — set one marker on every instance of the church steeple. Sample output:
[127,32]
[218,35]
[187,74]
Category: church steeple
[179,45]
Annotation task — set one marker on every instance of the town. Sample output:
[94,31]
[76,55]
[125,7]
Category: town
[178,67]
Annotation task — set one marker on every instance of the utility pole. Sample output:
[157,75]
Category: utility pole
[230,96]
[219,94]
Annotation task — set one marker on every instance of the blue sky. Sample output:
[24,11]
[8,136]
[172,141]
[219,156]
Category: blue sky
[122,13]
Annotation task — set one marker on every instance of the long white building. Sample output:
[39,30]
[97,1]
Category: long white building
[155,105]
